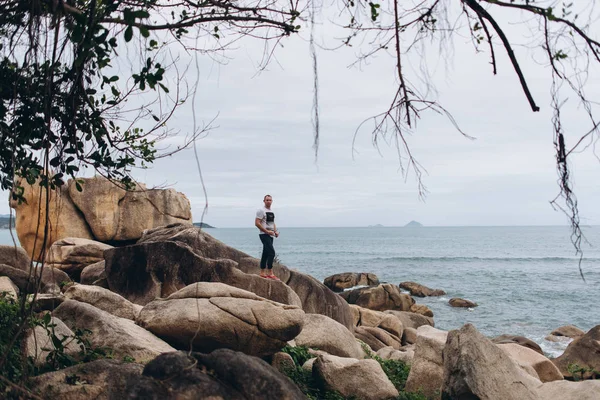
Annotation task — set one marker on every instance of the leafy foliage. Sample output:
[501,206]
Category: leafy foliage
[396,371]
[299,354]
[63,98]
[580,373]
[306,382]
[58,357]
[14,367]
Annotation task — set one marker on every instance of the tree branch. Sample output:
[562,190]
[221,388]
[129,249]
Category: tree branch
[473,5]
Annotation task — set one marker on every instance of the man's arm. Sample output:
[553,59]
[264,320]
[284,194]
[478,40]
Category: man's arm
[259,226]
[275,230]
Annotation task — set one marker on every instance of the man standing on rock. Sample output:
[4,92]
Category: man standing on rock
[265,222]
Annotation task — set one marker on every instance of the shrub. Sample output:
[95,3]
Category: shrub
[14,367]
[305,380]
[580,373]
[57,357]
[299,354]
[397,372]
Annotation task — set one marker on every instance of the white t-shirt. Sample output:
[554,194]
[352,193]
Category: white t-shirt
[267,218]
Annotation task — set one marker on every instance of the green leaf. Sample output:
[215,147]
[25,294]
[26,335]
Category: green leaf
[128,33]
[141,14]
[144,31]
[77,34]
[55,161]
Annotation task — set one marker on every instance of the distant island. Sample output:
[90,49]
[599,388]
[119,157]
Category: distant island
[5,221]
[413,224]
[375,226]
[203,225]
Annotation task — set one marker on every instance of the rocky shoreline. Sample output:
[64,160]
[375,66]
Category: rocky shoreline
[144,305]
[179,304]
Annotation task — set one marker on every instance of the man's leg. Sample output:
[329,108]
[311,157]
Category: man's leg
[265,253]
[270,258]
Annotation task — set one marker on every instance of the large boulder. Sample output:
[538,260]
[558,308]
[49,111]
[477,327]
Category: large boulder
[542,368]
[345,280]
[418,290]
[103,299]
[475,368]
[208,316]
[251,376]
[121,335]
[101,211]
[72,255]
[98,380]
[325,334]
[146,271]
[315,297]
[115,214]
[362,379]
[177,376]
[583,352]
[65,220]
[427,369]
[15,257]
[222,374]
[379,298]
[570,331]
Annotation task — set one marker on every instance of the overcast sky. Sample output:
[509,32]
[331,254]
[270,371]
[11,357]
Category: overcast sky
[263,144]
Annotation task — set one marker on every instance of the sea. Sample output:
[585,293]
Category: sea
[525,280]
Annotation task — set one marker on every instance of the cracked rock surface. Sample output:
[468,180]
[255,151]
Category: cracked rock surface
[214,315]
